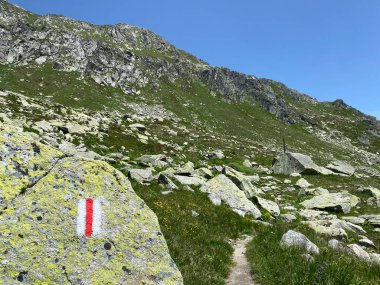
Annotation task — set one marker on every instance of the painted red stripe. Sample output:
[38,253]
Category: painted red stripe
[89,216]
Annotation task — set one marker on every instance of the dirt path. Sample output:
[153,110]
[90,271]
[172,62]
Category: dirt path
[241,270]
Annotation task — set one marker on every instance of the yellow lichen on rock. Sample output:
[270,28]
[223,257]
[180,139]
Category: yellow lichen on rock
[24,160]
[39,239]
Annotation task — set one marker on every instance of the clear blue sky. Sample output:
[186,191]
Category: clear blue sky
[326,48]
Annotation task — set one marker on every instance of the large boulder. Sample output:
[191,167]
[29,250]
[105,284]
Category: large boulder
[289,162]
[242,181]
[296,239]
[341,202]
[221,189]
[341,167]
[74,220]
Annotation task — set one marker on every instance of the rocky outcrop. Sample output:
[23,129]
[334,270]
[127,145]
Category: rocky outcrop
[127,57]
[46,233]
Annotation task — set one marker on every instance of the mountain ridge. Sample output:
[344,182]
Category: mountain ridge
[148,49]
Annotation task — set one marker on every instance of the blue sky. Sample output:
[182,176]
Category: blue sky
[327,48]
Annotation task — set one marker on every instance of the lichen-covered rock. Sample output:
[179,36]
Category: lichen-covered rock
[242,181]
[334,227]
[222,189]
[23,161]
[342,202]
[204,172]
[48,236]
[270,206]
[302,183]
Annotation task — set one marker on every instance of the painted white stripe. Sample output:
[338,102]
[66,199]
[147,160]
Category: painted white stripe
[81,219]
[97,218]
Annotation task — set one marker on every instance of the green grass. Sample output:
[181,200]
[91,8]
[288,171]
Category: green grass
[273,264]
[43,82]
[198,245]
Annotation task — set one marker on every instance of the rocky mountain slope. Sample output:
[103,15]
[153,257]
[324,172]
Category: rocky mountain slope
[203,148]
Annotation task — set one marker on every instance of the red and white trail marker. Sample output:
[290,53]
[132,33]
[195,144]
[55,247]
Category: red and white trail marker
[89,218]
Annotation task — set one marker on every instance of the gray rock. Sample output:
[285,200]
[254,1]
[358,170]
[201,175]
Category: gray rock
[367,243]
[375,258]
[334,227]
[164,179]
[358,252]
[185,169]
[138,127]
[308,257]
[288,163]
[204,172]
[288,218]
[44,126]
[73,150]
[354,220]
[141,175]
[302,183]
[374,192]
[329,228]
[296,239]
[335,244]
[159,160]
[222,189]
[247,163]
[242,181]
[313,215]
[341,167]
[374,220]
[314,191]
[269,206]
[342,201]
[218,154]
[189,180]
